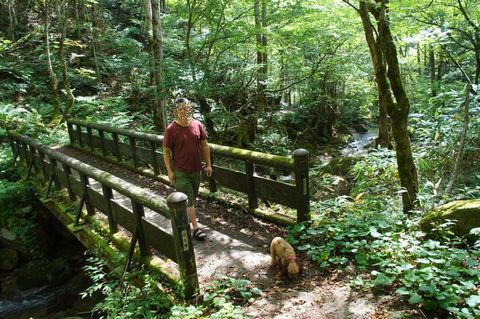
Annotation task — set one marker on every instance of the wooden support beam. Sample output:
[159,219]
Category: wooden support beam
[252,197]
[90,139]
[116,148]
[86,186]
[153,154]
[108,196]
[68,173]
[133,146]
[139,214]
[101,133]
[79,135]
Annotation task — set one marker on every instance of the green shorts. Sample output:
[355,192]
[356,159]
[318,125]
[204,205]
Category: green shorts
[187,183]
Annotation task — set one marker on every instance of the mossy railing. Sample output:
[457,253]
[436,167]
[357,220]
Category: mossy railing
[143,150]
[76,177]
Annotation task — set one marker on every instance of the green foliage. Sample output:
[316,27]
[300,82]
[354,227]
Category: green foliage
[14,196]
[17,78]
[438,126]
[220,301]
[376,174]
[383,249]
[272,142]
[238,290]
[6,169]
[26,119]
[112,111]
[137,296]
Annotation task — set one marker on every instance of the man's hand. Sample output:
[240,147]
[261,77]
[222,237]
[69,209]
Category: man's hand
[171,177]
[208,170]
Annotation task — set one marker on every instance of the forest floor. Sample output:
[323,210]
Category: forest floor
[313,295]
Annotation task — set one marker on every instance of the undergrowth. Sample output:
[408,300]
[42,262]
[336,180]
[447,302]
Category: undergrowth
[138,295]
[14,205]
[383,250]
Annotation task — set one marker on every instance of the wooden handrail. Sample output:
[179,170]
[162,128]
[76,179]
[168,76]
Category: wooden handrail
[130,190]
[295,196]
[226,151]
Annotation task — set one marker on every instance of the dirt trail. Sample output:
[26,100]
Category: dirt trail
[238,246]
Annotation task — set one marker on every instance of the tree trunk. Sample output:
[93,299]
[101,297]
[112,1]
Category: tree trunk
[93,34]
[159,112]
[419,59]
[391,93]
[188,32]
[398,113]
[63,62]
[12,19]
[462,142]
[383,87]
[477,62]
[147,6]
[261,41]
[431,63]
[51,73]
[383,126]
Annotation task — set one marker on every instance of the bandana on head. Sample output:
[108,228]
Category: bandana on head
[183,111]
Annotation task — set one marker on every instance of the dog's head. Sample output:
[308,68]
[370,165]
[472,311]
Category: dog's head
[292,268]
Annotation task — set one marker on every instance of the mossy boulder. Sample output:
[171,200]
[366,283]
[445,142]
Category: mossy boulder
[466,213]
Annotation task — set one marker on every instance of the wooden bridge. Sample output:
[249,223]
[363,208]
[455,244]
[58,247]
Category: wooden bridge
[148,220]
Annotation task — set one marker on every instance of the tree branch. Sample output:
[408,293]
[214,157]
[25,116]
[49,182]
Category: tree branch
[312,72]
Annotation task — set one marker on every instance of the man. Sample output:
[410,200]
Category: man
[184,146]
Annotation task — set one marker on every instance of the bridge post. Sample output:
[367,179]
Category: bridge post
[153,157]
[71,136]
[177,204]
[101,133]
[90,139]
[79,135]
[252,196]
[300,158]
[212,184]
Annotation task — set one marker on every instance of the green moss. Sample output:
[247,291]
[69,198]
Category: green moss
[253,156]
[466,213]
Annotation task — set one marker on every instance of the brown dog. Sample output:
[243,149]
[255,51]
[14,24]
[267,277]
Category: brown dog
[282,254]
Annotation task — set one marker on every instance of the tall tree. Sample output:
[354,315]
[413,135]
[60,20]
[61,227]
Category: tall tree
[159,111]
[63,61]
[380,70]
[12,19]
[260,13]
[392,94]
[44,9]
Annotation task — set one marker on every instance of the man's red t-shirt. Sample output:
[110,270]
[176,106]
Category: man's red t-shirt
[185,145]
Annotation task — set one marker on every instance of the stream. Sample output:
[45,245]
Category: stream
[47,286]
[358,147]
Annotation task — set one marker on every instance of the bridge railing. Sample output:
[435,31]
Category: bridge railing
[143,150]
[79,180]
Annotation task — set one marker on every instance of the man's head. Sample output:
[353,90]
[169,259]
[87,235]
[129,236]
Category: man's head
[182,110]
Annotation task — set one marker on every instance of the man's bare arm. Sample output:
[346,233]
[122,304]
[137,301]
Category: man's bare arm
[206,156]
[167,159]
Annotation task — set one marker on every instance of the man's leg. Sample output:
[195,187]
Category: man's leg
[192,216]
[198,232]
[188,183]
